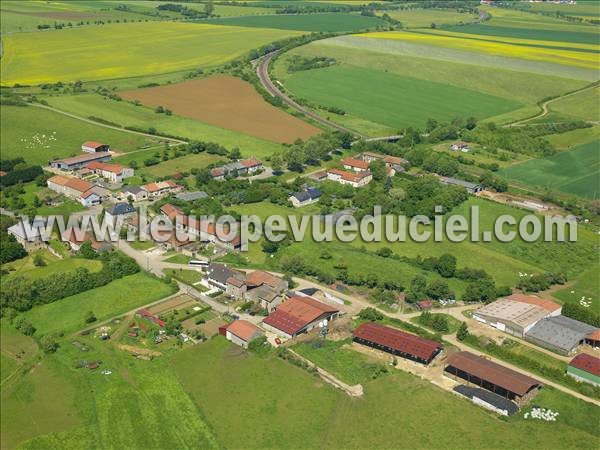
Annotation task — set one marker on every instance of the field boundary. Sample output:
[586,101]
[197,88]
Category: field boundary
[544,105]
[112,127]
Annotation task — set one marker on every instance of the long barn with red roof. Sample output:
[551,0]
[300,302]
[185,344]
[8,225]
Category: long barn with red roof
[299,315]
[397,342]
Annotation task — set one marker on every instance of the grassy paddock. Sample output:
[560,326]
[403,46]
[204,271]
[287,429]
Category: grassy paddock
[302,411]
[68,314]
[40,135]
[26,268]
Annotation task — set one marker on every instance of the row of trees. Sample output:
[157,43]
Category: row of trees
[21,293]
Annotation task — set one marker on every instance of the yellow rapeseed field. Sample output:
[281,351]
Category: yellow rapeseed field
[508,47]
[125,50]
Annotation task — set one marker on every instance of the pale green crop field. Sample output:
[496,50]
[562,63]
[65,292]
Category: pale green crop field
[152,48]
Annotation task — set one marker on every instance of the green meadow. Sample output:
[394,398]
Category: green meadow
[318,22]
[574,172]
[423,18]
[303,411]
[390,99]
[128,115]
[40,135]
[26,268]
[119,296]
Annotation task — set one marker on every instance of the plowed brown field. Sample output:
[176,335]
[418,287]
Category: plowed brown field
[226,102]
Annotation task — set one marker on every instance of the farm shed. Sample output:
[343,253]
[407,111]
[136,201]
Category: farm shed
[298,315]
[93,147]
[472,188]
[560,334]
[585,368]
[487,399]
[512,317]
[495,378]
[397,342]
[242,332]
[77,162]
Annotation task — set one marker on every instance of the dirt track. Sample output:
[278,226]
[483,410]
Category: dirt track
[226,102]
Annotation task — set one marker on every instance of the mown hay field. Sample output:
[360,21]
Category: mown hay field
[576,55]
[393,100]
[572,172]
[40,135]
[226,102]
[305,22]
[95,53]
[128,115]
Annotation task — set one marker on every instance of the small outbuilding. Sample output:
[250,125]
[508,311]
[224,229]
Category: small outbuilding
[242,332]
[585,368]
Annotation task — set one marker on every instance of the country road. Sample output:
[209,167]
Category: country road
[262,70]
[545,110]
[112,127]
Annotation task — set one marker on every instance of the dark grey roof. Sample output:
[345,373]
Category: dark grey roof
[309,291]
[221,273]
[560,332]
[120,208]
[132,189]
[457,182]
[301,196]
[309,194]
[488,397]
[191,196]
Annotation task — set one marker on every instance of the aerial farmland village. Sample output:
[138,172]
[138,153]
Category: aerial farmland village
[302,224]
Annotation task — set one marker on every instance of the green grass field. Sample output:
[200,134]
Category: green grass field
[140,405]
[187,276]
[152,47]
[21,16]
[587,9]
[127,114]
[585,288]
[41,135]
[115,298]
[423,18]
[503,261]
[581,106]
[303,412]
[339,359]
[393,100]
[182,164]
[574,172]
[305,22]
[25,267]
